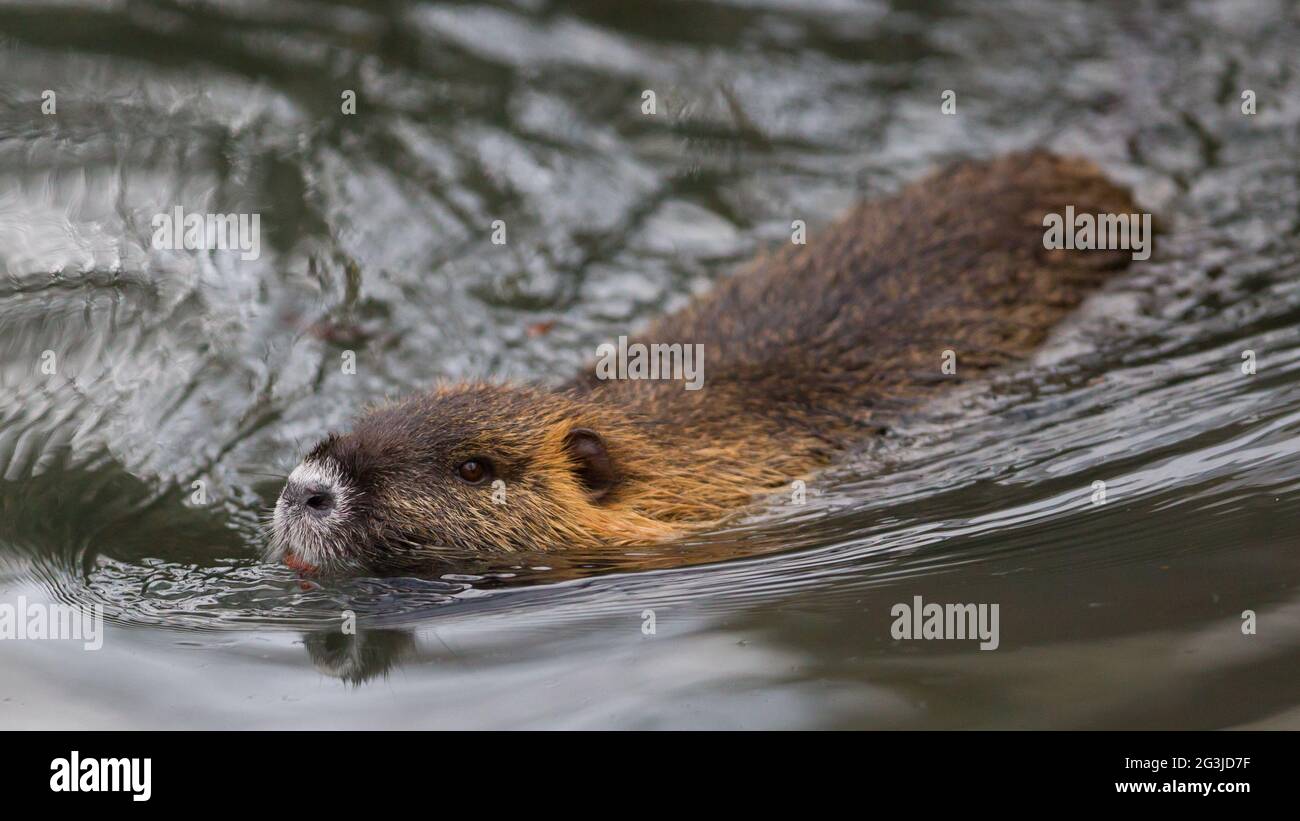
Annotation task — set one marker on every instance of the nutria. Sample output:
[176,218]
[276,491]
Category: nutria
[808,351]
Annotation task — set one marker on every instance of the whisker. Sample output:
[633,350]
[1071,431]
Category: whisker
[284,476]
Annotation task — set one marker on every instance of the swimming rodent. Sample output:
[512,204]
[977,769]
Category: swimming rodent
[808,351]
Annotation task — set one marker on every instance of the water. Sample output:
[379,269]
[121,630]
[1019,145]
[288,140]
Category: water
[182,367]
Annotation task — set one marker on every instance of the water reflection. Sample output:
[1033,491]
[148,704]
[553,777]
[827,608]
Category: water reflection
[358,657]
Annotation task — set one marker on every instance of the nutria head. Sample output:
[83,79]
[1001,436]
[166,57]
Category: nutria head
[464,470]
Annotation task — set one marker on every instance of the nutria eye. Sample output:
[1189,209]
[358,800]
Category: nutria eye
[474,471]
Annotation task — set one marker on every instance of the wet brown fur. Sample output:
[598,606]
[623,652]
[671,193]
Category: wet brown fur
[806,351]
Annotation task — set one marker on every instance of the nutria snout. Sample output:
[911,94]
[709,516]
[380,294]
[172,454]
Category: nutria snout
[809,350]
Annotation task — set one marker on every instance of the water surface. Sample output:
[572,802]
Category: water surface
[177,367]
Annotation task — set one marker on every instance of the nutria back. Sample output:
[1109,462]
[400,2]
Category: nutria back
[855,322]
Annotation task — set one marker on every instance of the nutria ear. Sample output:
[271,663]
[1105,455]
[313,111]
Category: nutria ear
[595,468]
